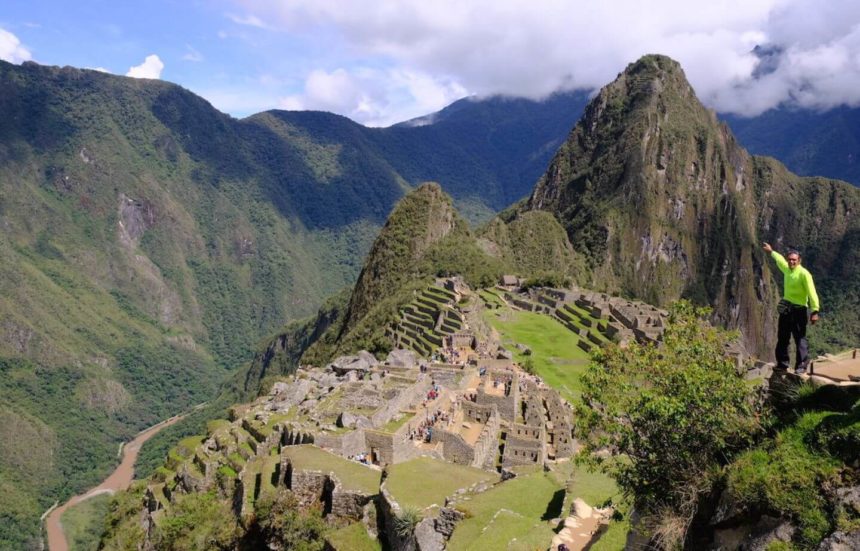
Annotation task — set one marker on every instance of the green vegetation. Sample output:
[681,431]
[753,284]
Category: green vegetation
[282,522]
[397,422]
[353,475]
[406,521]
[83,523]
[197,521]
[554,354]
[787,477]
[353,537]
[671,416]
[528,502]
[407,481]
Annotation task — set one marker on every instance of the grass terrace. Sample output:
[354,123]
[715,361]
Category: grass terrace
[514,510]
[408,482]
[353,537]
[397,422]
[556,357]
[352,475]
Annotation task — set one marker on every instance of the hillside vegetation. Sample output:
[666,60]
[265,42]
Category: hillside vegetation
[149,241]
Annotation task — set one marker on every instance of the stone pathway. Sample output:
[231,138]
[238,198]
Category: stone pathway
[580,527]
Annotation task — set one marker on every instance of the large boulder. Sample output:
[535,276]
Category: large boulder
[351,420]
[345,364]
[368,357]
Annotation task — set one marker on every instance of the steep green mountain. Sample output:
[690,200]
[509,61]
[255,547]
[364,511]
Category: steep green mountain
[423,238]
[145,248]
[148,241]
[664,203]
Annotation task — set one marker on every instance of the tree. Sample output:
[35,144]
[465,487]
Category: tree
[669,417]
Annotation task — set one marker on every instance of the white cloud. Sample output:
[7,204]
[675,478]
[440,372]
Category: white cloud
[372,96]
[150,68]
[534,48]
[99,69]
[248,20]
[191,54]
[11,49]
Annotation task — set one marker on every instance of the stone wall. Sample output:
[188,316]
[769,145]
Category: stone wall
[454,448]
[313,487]
[382,443]
[349,443]
[525,445]
[487,446]
[479,413]
[495,363]
[406,399]
[523,452]
[561,416]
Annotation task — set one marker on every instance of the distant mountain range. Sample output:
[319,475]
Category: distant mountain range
[148,241]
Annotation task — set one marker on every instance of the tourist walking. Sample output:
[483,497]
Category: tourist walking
[799,297]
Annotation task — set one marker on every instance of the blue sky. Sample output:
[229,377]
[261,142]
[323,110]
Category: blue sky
[383,61]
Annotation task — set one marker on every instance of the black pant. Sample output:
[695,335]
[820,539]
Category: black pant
[792,324]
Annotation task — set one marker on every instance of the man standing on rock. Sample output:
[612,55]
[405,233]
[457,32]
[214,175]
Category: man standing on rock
[798,293]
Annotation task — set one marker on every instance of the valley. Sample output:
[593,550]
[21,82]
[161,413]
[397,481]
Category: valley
[368,309]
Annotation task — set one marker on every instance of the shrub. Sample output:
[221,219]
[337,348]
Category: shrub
[406,521]
[669,416]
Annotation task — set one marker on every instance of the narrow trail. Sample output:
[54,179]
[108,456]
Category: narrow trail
[119,479]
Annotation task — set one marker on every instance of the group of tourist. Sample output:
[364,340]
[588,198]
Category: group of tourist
[424,431]
[361,458]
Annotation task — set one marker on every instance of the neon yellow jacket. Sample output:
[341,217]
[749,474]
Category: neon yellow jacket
[798,287]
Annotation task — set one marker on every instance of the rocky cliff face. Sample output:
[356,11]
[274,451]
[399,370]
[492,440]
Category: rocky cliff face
[664,203]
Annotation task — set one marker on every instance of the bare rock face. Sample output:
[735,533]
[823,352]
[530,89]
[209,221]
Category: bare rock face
[663,203]
[841,541]
[401,358]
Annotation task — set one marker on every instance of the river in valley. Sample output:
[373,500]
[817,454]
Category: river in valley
[119,479]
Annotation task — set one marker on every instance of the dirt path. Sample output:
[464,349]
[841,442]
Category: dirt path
[119,479]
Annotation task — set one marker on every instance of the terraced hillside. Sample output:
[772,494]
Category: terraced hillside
[426,321]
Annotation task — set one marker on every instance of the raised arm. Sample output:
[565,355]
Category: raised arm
[781,263]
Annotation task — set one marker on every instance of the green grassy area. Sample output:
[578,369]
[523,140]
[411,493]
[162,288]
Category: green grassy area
[514,510]
[408,482]
[593,487]
[83,523]
[556,357]
[353,537]
[397,422]
[352,475]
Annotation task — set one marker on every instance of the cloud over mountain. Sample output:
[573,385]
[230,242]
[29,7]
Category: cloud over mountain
[150,68]
[11,49]
[532,49]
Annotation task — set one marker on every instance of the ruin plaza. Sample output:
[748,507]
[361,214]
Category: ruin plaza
[451,395]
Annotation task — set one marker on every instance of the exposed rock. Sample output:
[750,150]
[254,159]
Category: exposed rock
[368,357]
[427,538]
[351,420]
[401,358]
[841,541]
[345,364]
[767,531]
[848,499]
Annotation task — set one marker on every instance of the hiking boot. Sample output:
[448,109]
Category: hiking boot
[801,370]
[780,367]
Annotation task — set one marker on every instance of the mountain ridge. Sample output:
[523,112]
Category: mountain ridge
[664,203]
